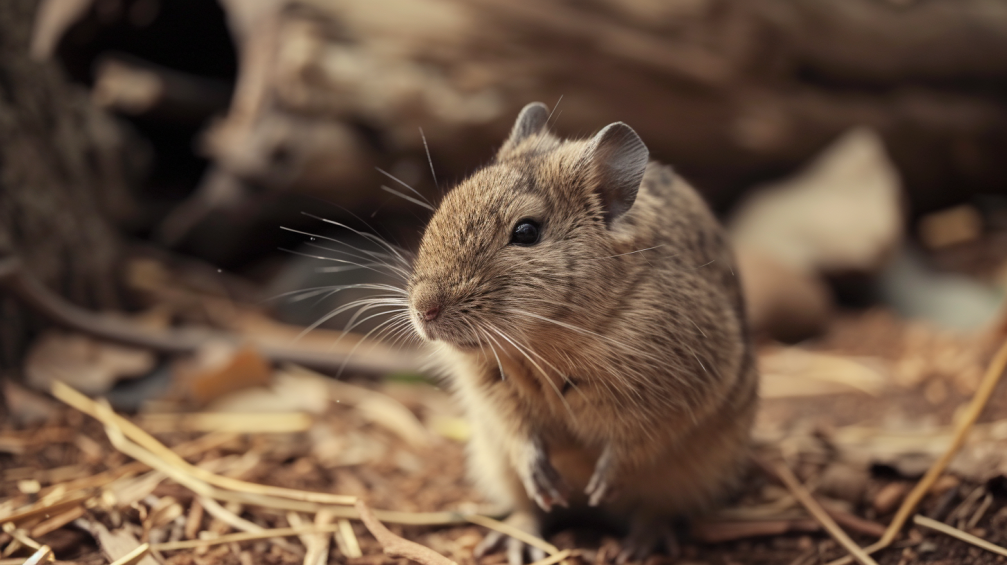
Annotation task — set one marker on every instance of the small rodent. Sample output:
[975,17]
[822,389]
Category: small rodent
[584,304]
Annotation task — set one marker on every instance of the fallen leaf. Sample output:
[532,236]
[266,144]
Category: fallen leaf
[88,365]
[218,369]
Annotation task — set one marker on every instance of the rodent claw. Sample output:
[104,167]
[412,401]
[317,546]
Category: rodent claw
[543,502]
[600,488]
[544,484]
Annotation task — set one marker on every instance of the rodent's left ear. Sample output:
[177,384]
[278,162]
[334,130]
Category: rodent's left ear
[530,121]
[619,158]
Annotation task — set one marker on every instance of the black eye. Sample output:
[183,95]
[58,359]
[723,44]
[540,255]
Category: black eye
[526,232]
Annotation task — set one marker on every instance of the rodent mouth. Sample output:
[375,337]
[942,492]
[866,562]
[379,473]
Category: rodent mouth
[435,333]
[469,346]
[454,341]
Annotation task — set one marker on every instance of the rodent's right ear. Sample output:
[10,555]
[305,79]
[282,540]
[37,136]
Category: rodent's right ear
[530,121]
[619,159]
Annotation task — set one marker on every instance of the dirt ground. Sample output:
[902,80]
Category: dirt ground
[859,439]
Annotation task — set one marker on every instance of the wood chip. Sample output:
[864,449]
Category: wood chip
[57,522]
[194,520]
[347,540]
[145,440]
[318,544]
[121,546]
[41,555]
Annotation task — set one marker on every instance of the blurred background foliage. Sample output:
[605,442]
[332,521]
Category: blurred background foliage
[853,147]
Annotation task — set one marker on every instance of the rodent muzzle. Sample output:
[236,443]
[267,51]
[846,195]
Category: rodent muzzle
[427,307]
[430,314]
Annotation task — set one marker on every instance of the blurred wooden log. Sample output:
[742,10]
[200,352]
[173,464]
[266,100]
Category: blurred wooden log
[731,91]
[64,182]
[139,88]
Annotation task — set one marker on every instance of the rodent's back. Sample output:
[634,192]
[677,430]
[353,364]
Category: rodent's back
[689,309]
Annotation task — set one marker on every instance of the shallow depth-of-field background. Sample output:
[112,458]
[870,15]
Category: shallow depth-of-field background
[183,183]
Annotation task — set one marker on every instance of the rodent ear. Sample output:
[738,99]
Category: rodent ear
[619,159]
[530,121]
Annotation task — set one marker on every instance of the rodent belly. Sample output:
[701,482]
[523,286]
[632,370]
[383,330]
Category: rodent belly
[574,464]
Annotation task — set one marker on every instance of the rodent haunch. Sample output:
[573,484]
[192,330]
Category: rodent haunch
[583,303]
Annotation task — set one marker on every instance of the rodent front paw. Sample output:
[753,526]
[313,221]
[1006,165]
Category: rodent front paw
[541,480]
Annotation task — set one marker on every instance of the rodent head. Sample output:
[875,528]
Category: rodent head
[522,241]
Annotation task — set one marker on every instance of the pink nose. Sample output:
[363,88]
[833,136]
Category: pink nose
[432,313]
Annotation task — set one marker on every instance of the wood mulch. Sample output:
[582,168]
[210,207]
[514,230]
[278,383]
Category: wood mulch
[870,413]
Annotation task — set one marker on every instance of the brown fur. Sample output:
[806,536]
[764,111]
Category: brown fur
[624,335]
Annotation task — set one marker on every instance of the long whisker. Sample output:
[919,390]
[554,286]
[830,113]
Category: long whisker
[369,264]
[309,292]
[404,333]
[371,267]
[568,326]
[367,305]
[373,254]
[407,197]
[362,340]
[554,108]
[396,179]
[545,375]
[430,160]
[632,252]
[503,375]
[394,328]
[397,251]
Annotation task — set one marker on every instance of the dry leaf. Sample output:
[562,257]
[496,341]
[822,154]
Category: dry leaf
[117,544]
[793,371]
[286,393]
[88,365]
[219,369]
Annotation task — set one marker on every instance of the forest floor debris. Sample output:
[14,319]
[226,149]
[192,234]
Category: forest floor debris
[185,486]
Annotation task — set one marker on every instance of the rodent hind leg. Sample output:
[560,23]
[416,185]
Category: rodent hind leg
[517,550]
[648,534]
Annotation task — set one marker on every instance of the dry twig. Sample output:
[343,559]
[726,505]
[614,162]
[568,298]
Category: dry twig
[46,506]
[347,540]
[57,521]
[41,555]
[106,416]
[943,528]
[238,523]
[513,532]
[20,284]
[555,558]
[819,513]
[277,423]
[318,544]
[243,536]
[134,556]
[993,374]
[396,546]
